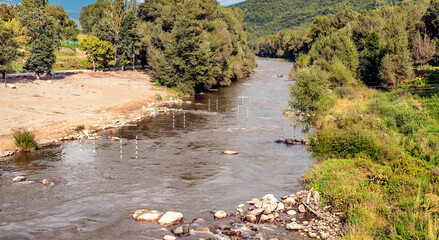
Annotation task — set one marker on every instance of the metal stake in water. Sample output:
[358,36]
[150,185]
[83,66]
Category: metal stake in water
[294,132]
[136,143]
[120,140]
[184,115]
[80,144]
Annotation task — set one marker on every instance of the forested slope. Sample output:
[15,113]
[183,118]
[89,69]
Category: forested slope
[265,17]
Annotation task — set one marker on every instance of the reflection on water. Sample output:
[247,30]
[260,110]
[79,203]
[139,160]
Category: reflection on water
[178,166]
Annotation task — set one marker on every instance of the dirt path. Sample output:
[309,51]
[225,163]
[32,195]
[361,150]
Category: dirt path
[51,108]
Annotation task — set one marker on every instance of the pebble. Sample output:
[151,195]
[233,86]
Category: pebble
[199,220]
[169,237]
[294,226]
[146,215]
[289,201]
[302,208]
[171,218]
[18,179]
[291,212]
[312,235]
[220,214]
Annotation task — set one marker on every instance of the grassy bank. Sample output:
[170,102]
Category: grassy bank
[378,160]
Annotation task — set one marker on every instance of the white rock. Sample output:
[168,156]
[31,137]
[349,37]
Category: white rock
[253,201]
[250,218]
[241,206]
[302,208]
[269,198]
[169,237]
[171,218]
[291,212]
[146,215]
[230,152]
[312,235]
[220,214]
[18,179]
[10,85]
[289,201]
[269,208]
[280,207]
[294,226]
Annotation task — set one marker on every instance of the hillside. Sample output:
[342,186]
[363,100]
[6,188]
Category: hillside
[265,17]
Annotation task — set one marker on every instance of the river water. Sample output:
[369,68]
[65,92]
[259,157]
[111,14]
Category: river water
[179,167]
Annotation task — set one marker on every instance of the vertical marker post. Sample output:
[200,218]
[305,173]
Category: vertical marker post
[120,140]
[217,100]
[184,114]
[281,134]
[136,143]
[209,102]
[173,119]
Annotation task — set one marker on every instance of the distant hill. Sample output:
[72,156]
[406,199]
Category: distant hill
[265,17]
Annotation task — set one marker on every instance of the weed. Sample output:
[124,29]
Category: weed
[24,139]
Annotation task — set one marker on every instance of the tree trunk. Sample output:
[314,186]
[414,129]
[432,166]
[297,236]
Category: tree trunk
[4,77]
[37,75]
[134,59]
[94,67]
[123,67]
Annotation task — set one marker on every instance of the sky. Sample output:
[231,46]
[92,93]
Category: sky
[73,7]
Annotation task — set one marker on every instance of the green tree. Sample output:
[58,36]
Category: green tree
[44,33]
[70,30]
[8,49]
[431,19]
[92,14]
[371,60]
[6,12]
[98,51]
[128,39]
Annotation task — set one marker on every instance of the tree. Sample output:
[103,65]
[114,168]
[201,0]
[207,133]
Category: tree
[92,14]
[42,55]
[8,49]
[431,18]
[371,60]
[44,32]
[128,39]
[97,51]
[6,12]
[70,30]
[423,49]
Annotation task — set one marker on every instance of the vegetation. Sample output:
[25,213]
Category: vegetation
[98,51]
[8,48]
[194,45]
[24,139]
[268,17]
[377,150]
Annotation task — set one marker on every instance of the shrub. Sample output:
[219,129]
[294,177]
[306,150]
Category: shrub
[24,139]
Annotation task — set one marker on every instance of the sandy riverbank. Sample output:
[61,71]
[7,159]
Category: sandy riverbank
[52,109]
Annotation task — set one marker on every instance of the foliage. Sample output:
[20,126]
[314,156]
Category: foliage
[128,39]
[98,51]
[8,48]
[6,12]
[431,19]
[92,14]
[24,139]
[371,60]
[264,18]
[423,49]
[194,45]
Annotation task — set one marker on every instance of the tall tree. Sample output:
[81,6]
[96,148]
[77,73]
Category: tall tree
[116,16]
[44,32]
[128,39]
[8,49]
[371,60]
[92,14]
[6,12]
[431,18]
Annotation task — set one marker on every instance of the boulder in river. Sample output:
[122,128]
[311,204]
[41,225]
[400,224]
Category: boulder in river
[171,218]
[269,198]
[19,179]
[250,218]
[220,214]
[146,215]
[289,201]
[230,152]
[295,226]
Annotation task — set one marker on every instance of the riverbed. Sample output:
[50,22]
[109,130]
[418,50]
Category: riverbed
[178,166]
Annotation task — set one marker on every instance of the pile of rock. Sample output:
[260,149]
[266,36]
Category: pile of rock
[298,213]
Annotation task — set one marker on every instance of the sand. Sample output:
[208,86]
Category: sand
[51,108]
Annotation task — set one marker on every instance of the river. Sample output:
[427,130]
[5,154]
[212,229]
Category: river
[178,167]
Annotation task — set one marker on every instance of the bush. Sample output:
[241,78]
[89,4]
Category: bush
[24,139]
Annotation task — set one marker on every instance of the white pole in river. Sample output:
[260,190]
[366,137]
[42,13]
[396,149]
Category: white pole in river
[209,101]
[120,140]
[217,101]
[184,114]
[136,143]
[173,119]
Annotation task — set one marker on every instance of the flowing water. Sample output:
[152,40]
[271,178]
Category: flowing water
[179,167]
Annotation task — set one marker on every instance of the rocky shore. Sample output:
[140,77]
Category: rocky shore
[93,132]
[265,218]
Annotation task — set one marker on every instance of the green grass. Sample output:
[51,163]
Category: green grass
[65,53]
[24,139]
